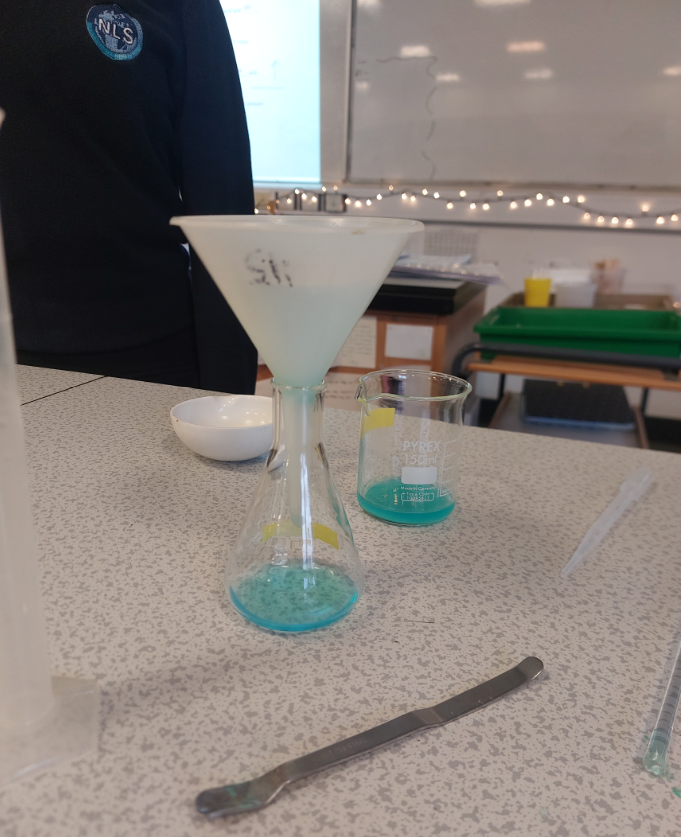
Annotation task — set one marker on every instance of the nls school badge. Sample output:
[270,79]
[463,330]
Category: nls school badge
[117,34]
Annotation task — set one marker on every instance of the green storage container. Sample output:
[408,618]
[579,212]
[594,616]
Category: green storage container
[632,332]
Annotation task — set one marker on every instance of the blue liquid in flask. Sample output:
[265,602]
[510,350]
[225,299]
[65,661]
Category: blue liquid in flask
[411,505]
[293,598]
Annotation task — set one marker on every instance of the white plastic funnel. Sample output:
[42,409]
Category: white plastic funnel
[297,284]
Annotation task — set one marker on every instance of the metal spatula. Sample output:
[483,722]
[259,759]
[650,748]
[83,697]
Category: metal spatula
[255,794]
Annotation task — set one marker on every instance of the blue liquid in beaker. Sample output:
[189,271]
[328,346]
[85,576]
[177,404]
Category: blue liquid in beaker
[292,598]
[413,505]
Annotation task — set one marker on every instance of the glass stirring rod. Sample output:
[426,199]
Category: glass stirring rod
[654,759]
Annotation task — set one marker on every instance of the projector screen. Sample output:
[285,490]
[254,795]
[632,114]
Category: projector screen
[277,51]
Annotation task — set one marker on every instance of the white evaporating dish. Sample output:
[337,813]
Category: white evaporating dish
[229,428]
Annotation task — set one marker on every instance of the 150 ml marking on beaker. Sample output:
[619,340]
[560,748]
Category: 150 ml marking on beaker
[419,459]
[420,454]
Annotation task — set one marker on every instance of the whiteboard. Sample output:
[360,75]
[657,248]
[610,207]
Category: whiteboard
[573,92]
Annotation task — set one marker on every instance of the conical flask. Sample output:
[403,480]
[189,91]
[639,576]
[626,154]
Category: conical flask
[298,285]
[294,566]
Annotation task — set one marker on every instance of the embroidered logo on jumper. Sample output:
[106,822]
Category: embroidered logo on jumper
[117,35]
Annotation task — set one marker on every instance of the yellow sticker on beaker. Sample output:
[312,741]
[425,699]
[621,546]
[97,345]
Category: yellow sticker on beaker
[380,417]
[286,529]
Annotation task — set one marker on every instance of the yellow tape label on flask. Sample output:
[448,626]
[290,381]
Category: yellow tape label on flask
[286,529]
[324,533]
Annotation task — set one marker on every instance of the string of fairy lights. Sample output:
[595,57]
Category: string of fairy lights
[301,199]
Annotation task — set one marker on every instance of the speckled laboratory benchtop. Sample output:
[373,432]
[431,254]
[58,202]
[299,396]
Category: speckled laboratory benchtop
[133,531]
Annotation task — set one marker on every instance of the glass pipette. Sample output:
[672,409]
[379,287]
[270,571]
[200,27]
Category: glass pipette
[630,490]
[654,759]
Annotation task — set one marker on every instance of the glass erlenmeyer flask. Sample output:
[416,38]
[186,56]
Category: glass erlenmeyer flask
[294,566]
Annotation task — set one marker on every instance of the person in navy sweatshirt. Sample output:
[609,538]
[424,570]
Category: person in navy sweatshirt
[118,118]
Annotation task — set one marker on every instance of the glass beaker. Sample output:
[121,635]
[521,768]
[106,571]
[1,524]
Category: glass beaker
[410,446]
[294,566]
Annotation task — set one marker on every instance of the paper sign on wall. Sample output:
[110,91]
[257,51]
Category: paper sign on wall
[359,350]
[414,342]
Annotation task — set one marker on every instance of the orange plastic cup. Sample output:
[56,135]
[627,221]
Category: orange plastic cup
[537,292]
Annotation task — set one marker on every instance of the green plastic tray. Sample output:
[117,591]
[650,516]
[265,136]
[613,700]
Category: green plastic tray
[632,332]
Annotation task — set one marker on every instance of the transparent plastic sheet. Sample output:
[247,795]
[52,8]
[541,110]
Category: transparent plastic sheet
[70,729]
[43,720]
[632,489]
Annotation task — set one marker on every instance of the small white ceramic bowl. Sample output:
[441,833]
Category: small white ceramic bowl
[225,427]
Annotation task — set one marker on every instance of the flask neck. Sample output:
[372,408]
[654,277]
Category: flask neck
[298,428]
[298,415]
